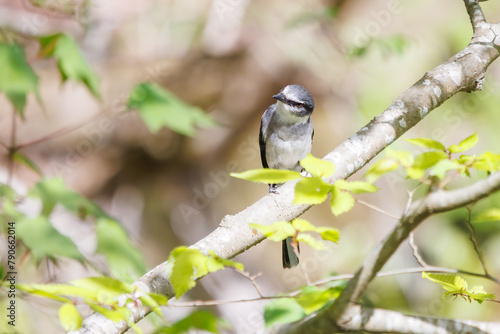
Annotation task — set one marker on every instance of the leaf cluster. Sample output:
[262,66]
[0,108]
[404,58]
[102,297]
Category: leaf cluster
[457,286]
[438,162]
[105,295]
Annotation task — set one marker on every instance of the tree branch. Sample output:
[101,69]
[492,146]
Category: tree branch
[341,311]
[463,72]
[384,321]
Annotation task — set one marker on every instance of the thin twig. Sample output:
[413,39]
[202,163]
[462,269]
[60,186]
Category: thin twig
[296,293]
[65,131]
[416,254]
[375,208]
[474,240]
[11,148]
[252,279]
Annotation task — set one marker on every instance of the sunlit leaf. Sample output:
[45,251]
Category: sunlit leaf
[70,61]
[356,187]
[341,201]
[17,78]
[317,167]
[428,159]
[380,168]
[313,299]
[403,157]
[277,231]
[492,214]
[329,234]
[465,144]
[190,264]
[487,161]
[449,282]
[311,241]
[160,108]
[69,317]
[311,190]
[444,166]
[426,143]
[268,175]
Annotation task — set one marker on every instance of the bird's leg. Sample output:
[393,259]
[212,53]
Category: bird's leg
[273,188]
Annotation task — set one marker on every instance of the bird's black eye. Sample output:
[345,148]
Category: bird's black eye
[298,105]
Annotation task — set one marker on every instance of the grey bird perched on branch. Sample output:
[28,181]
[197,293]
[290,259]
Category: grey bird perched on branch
[285,138]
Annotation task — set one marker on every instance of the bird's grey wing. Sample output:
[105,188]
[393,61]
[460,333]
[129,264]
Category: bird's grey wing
[264,122]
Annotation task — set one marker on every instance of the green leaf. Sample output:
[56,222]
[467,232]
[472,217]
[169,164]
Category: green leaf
[444,166]
[465,144]
[330,234]
[487,161]
[415,173]
[103,283]
[160,108]
[303,225]
[69,317]
[282,311]
[124,260]
[116,314]
[190,264]
[380,168]
[356,187]
[313,299]
[17,77]
[310,240]
[426,143]
[200,319]
[225,262]
[268,175]
[70,61]
[277,231]
[53,291]
[428,159]
[44,240]
[24,160]
[403,157]
[54,191]
[492,214]
[317,167]
[341,201]
[449,282]
[311,190]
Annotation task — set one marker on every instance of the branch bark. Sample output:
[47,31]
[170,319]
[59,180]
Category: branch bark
[463,72]
[344,312]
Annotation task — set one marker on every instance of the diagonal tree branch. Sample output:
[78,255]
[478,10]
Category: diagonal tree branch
[344,312]
[463,72]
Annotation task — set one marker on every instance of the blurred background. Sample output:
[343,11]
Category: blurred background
[229,57]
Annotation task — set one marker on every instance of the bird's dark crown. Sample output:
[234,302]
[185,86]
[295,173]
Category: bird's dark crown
[297,96]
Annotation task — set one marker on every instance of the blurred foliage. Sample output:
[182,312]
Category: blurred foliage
[199,319]
[70,62]
[160,108]
[18,78]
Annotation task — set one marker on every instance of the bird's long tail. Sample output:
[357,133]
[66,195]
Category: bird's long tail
[290,259]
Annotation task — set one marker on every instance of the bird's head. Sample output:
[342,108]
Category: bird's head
[296,100]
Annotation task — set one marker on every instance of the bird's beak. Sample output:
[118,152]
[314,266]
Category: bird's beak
[279,97]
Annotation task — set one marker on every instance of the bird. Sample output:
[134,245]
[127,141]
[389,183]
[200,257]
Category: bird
[285,138]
